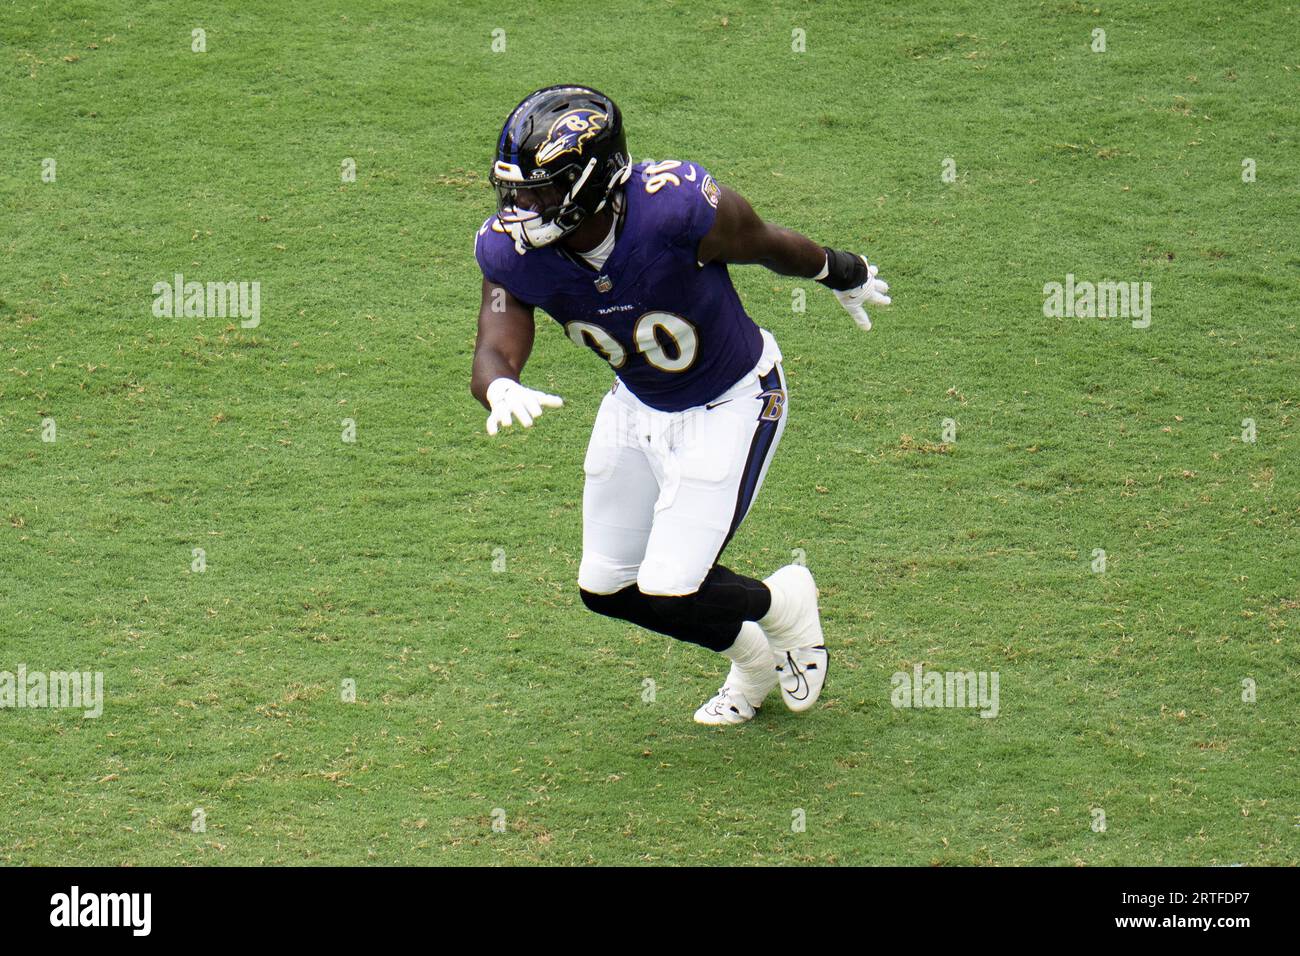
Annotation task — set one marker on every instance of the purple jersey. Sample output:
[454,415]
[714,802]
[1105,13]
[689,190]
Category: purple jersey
[674,331]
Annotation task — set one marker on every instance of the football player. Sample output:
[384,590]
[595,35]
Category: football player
[632,261]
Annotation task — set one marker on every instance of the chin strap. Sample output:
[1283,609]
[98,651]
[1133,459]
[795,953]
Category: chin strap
[545,233]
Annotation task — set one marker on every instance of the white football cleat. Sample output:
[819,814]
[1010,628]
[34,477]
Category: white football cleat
[728,706]
[793,621]
[802,674]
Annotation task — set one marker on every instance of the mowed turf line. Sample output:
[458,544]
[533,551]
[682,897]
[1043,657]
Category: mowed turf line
[372,561]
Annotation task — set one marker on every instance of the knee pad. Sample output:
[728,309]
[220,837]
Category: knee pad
[672,578]
[601,575]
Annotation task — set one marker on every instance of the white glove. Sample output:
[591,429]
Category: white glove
[510,400]
[872,291]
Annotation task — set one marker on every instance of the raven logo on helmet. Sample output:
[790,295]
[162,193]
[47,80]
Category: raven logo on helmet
[569,132]
[560,157]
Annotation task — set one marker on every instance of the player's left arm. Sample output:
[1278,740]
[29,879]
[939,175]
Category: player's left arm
[740,236]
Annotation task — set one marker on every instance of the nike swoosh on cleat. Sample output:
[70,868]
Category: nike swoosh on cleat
[802,682]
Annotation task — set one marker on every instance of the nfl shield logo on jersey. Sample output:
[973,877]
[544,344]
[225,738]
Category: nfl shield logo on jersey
[604,284]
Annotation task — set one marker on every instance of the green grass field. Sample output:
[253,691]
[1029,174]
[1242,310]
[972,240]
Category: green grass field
[1121,692]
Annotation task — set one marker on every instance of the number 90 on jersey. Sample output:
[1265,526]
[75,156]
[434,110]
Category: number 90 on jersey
[666,340]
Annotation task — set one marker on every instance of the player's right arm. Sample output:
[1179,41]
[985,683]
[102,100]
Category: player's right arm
[504,342]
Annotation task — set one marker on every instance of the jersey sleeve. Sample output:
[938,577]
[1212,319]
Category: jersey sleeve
[500,263]
[682,201]
[700,194]
[489,258]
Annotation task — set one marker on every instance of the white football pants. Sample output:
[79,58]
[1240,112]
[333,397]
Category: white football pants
[665,491]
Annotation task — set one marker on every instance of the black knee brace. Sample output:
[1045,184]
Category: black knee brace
[710,617]
[666,615]
[689,618]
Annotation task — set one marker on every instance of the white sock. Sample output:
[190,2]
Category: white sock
[751,663]
[772,619]
[774,622]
